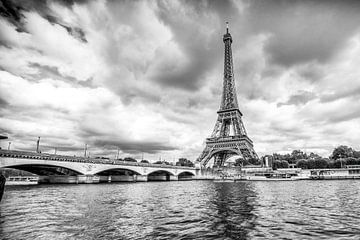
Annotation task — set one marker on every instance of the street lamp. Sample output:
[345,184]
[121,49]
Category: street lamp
[38,145]
[85,149]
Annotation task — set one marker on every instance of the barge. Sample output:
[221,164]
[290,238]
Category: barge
[349,172]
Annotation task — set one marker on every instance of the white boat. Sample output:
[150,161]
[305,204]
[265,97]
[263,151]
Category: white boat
[350,172]
[22,180]
[272,177]
[224,178]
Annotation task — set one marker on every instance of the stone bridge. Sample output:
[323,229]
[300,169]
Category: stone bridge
[53,168]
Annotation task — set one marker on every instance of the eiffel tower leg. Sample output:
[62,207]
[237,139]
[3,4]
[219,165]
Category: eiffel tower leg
[205,156]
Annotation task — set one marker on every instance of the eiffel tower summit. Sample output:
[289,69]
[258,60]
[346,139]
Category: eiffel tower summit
[229,136]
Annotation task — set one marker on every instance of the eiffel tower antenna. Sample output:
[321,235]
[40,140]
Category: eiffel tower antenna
[229,136]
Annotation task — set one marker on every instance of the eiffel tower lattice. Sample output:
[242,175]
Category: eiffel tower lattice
[229,137]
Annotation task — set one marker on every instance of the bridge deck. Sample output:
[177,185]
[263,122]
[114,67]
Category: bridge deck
[65,158]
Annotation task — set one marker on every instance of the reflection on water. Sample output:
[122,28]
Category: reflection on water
[183,210]
[232,210]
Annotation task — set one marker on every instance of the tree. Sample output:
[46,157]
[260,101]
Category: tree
[184,162]
[356,154]
[342,152]
[298,154]
[130,159]
[314,156]
[311,164]
[352,161]
[277,156]
[162,162]
[276,164]
[254,161]
[339,163]
[241,162]
[280,164]
[303,164]
[284,164]
[144,161]
[321,163]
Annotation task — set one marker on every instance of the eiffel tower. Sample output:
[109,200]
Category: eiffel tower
[229,137]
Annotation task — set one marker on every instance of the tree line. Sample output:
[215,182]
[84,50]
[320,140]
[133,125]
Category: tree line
[181,161]
[340,157]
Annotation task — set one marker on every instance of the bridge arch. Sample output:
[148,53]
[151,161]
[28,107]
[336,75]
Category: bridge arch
[185,175]
[45,169]
[117,174]
[117,171]
[160,175]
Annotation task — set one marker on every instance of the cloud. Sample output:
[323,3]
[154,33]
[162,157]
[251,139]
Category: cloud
[301,97]
[348,93]
[146,76]
[303,31]
[135,146]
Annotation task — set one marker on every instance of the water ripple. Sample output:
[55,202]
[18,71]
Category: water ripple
[183,210]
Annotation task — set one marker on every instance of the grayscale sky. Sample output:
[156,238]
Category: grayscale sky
[146,76]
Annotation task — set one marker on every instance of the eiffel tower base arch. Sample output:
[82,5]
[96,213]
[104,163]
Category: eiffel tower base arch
[220,150]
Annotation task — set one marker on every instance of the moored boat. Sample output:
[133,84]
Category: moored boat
[272,177]
[2,185]
[224,179]
[350,172]
[22,180]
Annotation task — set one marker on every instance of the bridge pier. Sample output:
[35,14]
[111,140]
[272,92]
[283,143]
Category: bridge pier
[174,178]
[88,179]
[141,178]
[158,178]
[104,179]
[122,178]
[69,179]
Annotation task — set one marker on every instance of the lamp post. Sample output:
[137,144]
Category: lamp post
[9,146]
[117,155]
[38,145]
[85,149]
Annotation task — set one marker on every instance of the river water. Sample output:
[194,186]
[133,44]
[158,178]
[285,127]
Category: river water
[183,210]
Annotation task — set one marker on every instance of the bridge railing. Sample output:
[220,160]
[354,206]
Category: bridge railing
[65,158]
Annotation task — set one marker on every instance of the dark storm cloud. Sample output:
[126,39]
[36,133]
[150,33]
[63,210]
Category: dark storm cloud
[52,72]
[298,99]
[76,32]
[3,103]
[97,138]
[9,10]
[202,51]
[303,31]
[4,132]
[311,73]
[60,147]
[129,146]
[13,11]
[44,71]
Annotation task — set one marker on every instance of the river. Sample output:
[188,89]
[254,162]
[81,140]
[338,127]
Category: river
[183,210]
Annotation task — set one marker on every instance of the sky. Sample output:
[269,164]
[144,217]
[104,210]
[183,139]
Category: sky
[145,77]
